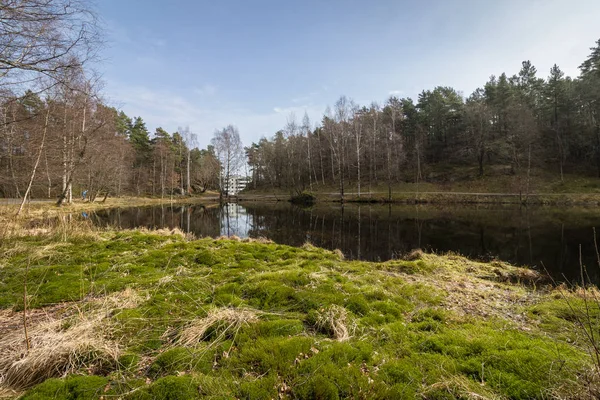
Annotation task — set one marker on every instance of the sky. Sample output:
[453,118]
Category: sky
[255,64]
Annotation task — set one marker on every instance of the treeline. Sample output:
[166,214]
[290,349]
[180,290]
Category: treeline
[74,142]
[512,124]
[57,136]
[166,164]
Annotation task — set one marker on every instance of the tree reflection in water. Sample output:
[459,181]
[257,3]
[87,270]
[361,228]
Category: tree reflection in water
[524,236]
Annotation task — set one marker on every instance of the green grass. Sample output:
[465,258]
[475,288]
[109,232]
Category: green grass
[408,333]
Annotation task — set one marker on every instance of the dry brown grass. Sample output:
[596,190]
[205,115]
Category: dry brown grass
[40,208]
[62,341]
[478,289]
[461,387]
[229,319]
[57,347]
[165,232]
[235,238]
[336,322]
[45,218]
[8,393]
[261,240]
[125,299]
[60,226]
[416,254]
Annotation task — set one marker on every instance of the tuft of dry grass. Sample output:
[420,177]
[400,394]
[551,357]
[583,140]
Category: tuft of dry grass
[231,318]
[416,254]
[165,232]
[462,388]
[235,238]
[261,240]
[336,321]
[308,246]
[8,393]
[57,347]
[165,279]
[62,341]
[127,298]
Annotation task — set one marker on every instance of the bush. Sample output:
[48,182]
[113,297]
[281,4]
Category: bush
[304,198]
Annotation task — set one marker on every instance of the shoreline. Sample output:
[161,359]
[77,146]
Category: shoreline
[38,206]
[550,199]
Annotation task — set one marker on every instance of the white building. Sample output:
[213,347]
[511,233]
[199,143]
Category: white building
[235,184]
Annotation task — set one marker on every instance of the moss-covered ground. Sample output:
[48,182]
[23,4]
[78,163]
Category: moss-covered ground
[266,321]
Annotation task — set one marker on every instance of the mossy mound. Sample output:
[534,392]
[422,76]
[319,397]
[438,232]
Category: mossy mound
[272,321]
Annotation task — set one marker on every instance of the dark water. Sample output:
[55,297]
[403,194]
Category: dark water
[534,237]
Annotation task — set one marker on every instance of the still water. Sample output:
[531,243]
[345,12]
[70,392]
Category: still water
[536,237]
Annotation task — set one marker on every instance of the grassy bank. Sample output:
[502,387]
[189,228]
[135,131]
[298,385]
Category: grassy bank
[457,186]
[36,213]
[158,315]
[437,198]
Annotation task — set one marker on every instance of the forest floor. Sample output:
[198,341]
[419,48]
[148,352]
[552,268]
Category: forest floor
[87,313]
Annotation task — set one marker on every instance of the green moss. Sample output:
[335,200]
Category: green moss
[128,361]
[71,388]
[319,388]
[172,361]
[358,305]
[405,340]
[258,389]
[170,388]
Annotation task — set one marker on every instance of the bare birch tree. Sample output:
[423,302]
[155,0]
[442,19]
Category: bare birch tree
[45,38]
[230,152]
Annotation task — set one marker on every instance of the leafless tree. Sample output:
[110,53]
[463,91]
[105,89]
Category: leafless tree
[307,132]
[45,38]
[230,152]
[80,123]
[191,141]
[357,125]
[37,162]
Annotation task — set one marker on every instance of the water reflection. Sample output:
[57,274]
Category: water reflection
[525,236]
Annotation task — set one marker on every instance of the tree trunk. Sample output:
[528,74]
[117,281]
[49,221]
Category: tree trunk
[64,151]
[341,172]
[189,189]
[48,174]
[598,148]
[480,158]
[153,175]
[528,174]
[322,167]
[309,161]
[358,160]
[37,162]
[389,167]
[67,192]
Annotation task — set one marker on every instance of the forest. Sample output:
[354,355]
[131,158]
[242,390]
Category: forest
[58,137]
[76,142]
[512,125]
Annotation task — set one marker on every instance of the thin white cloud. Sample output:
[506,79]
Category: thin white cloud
[302,99]
[206,90]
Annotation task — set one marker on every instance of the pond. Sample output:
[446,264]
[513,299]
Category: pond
[540,237]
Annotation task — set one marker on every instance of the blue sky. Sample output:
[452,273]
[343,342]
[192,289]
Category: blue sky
[251,63]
